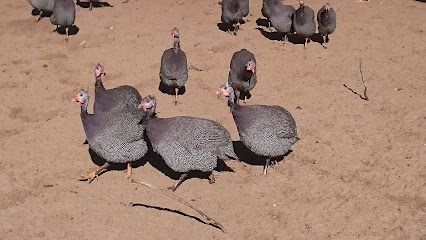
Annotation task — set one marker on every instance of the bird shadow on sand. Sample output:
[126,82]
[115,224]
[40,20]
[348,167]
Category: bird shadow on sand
[170,90]
[96,159]
[73,30]
[94,4]
[226,27]
[423,1]
[36,12]
[245,155]
[173,211]
[292,38]
[262,22]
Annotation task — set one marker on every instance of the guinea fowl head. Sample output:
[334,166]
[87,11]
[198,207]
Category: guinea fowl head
[251,66]
[99,70]
[175,32]
[227,91]
[148,104]
[301,2]
[326,7]
[81,97]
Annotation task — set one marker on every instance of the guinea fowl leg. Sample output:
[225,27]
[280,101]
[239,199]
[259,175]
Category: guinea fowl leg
[245,99]
[176,95]
[91,176]
[265,168]
[238,96]
[306,41]
[39,16]
[212,179]
[66,33]
[91,5]
[181,179]
[324,41]
[129,170]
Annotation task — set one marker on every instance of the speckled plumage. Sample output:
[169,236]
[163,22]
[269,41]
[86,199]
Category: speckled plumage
[116,98]
[326,21]
[42,5]
[115,136]
[63,13]
[281,17]
[266,7]
[174,66]
[304,22]
[268,131]
[189,143]
[239,77]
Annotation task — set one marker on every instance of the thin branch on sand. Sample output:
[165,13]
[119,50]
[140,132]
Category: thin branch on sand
[363,82]
[209,219]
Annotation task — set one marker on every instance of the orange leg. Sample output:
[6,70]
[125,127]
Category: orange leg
[129,170]
[181,179]
[91,176]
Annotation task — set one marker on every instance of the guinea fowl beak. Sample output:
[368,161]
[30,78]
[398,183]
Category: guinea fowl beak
[219,93]
[74,99]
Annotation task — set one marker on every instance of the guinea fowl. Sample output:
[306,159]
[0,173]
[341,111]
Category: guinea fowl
[281,18]
[233,13]
[116,136]
[187,143]
[63,15]
[326,18]
[303,21]
[115,98]
[43,6]
[242,73]
[245,7]
[266,9]
[174,66]
[268,131]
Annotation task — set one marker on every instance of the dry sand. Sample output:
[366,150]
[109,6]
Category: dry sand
[357,173]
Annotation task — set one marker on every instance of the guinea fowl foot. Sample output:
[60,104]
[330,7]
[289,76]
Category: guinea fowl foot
[66,33]
[306,42]
[91,5]
[94,174]
[181,179]
[39,16]
[212,178]
[270,162]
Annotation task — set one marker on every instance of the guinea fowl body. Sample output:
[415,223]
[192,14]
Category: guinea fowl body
[281,18]
[42,5]
[174,66]
[187,143]
[63,14]
[115,136]
[326,18]
[233,13]
[113,99]
[240,77]
[245,7]
[303,21]
[266,8]
[268,131]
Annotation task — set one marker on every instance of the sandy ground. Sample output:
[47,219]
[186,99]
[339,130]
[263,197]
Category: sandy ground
[357,173]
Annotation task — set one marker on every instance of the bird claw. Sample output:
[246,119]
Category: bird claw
[92,176]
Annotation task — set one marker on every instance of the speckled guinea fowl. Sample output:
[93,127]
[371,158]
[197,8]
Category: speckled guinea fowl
[63,14]
[304,21]
[326,18]
[116,136]
[43,6]
[187,143]
[267,131]
[266,9]
[113,99]
[174,66]
[242,73]
[281,18]
[232,13]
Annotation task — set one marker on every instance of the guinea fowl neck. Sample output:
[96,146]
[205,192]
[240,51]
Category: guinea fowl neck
[176,44]
[232,101]
[98,82]
[83,107]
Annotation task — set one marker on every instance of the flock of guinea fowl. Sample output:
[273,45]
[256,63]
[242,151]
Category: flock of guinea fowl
[124,124]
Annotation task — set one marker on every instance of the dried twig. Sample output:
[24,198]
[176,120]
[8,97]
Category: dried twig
[363,81]
[209,219]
